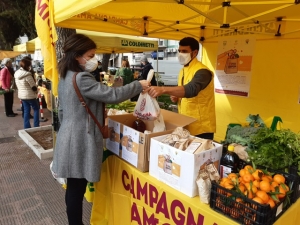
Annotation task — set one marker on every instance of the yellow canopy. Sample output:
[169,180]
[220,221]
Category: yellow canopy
[110,43]
[28,47]
[170,19]
[9,54]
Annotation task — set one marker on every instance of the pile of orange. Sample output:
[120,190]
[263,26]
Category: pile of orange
[257,185]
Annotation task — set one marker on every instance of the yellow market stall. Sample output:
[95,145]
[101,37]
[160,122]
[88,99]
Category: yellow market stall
[273,81]
[274,25]
[9,54]
[28,47]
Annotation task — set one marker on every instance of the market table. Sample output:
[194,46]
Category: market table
[127,196]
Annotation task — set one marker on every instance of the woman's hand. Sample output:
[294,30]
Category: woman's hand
[145,84]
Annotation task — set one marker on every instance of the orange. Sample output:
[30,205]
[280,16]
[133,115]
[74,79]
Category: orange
[263,195]
[271,202]
[242,188]
[274,184]
[257,174]
[278,178]
[258,199]
[249,168]
[229,186]
[249,194]
[256,183]
[283,188]
[251,187]
[231,175]
[265,186]
[243,172]
[248,177]
[266,178]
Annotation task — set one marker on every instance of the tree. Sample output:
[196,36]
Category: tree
[16,19]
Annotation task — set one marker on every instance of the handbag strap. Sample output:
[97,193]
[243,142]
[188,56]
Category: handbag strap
[81,99]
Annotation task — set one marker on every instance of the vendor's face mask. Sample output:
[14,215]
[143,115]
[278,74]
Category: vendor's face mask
[184,58]
[90,64]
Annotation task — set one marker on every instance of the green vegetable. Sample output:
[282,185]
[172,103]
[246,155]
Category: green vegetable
[277,149]
[240,135]
[127,105]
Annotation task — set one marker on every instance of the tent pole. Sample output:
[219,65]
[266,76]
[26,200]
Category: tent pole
[157,74]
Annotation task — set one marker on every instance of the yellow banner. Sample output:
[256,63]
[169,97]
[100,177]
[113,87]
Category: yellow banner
[127,196]
[46,31]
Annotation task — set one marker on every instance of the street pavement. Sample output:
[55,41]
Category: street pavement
[29,195]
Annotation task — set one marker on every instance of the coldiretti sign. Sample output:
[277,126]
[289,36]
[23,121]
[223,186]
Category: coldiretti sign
[136,44]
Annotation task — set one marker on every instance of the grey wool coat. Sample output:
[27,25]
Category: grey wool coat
[79,143]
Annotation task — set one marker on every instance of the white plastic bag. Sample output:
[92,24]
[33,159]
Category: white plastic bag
[147,108]
[62,181]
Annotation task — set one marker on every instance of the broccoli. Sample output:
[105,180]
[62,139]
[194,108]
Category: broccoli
[240,135]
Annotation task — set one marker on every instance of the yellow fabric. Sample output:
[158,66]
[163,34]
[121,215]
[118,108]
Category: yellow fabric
[201,107]
[9,54]
[127,17]
[274,87]
[28,47]
[46,31]
[118,196]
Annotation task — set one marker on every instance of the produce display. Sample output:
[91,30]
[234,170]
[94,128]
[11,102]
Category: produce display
[251,196]
[127,105]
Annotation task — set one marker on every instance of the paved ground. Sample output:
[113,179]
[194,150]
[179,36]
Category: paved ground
[28,192]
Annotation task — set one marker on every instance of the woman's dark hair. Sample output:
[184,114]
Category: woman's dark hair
[25,64]
[189,41]
[76,45]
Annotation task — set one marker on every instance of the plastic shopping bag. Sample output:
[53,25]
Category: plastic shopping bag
[147,108]
[62,181]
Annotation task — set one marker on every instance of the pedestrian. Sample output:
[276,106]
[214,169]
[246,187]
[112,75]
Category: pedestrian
[195,91]
[27,92]
[8,83]
[125,72]
[146,68]
[79,144]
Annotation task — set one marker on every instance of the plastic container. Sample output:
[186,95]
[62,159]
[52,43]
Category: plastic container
[139,125]
[229,162]
[242,209]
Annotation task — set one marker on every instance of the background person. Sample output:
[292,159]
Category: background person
[7,82]
[79,145]
[147,67]
[125,72]
[195,91]
[27,92]
[97,71]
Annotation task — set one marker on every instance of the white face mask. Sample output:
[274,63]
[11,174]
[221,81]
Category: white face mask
[91,64]
[184,58]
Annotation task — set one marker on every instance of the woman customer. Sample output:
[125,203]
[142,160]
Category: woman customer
[125,72]
[79,144]
[7,80]
[27,92]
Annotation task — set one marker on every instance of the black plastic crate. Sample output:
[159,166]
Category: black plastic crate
[246,211]
[294,171]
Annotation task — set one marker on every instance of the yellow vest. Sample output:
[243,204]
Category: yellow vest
[200,107]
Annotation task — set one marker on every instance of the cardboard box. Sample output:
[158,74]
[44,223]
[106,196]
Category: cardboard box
[179,169]
[135,148]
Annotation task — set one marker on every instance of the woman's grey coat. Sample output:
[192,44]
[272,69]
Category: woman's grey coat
[79,144]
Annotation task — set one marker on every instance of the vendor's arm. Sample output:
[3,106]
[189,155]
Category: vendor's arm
[199,82]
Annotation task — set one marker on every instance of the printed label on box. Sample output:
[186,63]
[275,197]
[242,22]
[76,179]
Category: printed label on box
[112,143]
[193,147]
[130,145]
[169,166]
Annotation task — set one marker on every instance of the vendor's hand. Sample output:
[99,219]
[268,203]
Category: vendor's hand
[155,91]
[145,84]
[7,90]
[174,98]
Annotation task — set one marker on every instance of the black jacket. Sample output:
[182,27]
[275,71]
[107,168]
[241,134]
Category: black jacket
[145,72]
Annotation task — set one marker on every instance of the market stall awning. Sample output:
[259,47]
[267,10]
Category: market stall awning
[9,54]
[110,43]
[27,47]
[171,19]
